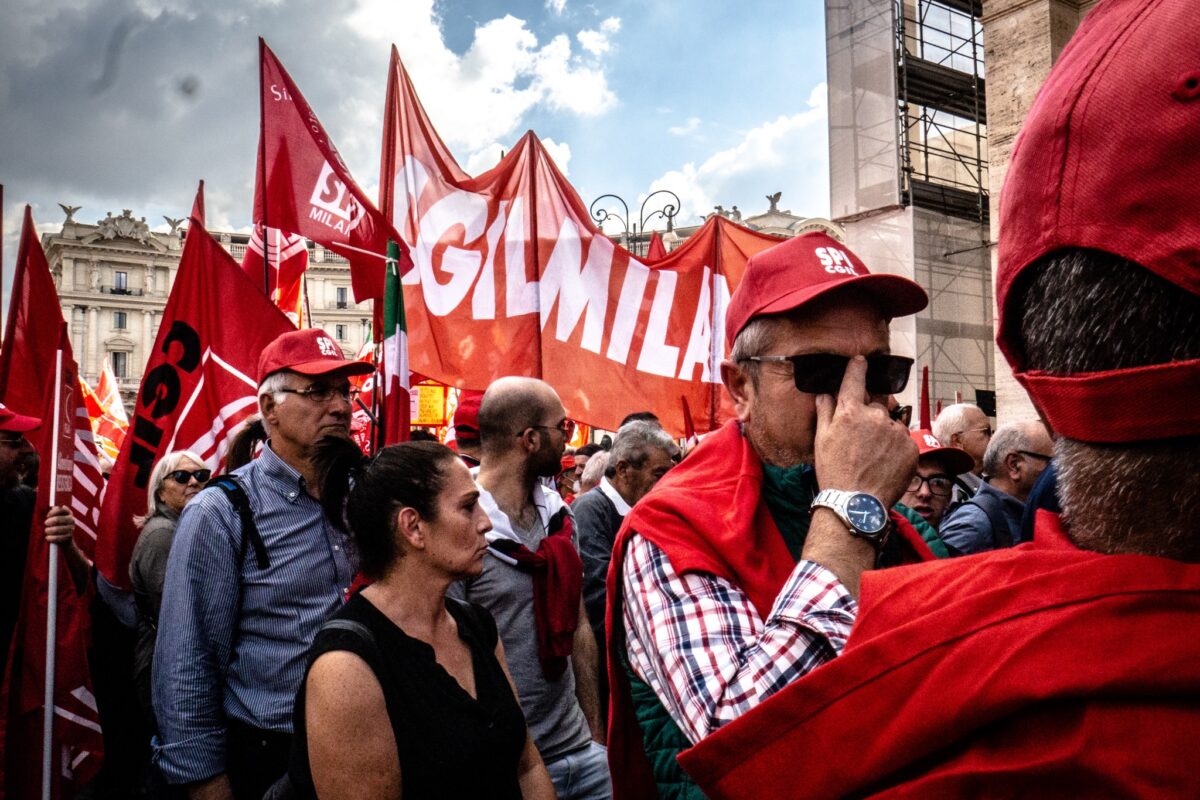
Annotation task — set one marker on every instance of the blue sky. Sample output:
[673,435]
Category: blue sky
[113,104]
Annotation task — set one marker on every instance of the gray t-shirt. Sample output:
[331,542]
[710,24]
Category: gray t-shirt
[551,710]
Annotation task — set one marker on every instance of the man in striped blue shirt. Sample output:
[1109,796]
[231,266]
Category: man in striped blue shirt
[233,635]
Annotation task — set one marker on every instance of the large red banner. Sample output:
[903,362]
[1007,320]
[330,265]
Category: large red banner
[199,386]
[35,331]
[303,186]
[513,278]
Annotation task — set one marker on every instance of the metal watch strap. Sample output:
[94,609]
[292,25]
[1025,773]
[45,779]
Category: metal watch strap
[835,500]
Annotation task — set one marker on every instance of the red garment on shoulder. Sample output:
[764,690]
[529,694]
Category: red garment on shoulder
[707,515]
[1040,671]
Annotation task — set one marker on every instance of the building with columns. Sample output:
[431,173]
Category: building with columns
[114,277]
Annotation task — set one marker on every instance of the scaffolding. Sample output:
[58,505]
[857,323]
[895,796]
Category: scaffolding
[941,106]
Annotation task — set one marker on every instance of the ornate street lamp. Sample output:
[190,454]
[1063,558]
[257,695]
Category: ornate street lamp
[634,236]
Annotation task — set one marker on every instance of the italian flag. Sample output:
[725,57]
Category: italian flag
[394,366]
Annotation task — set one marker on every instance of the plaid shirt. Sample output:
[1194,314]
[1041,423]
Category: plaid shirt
[698,641]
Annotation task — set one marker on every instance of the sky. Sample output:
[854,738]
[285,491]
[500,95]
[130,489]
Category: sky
[115,104]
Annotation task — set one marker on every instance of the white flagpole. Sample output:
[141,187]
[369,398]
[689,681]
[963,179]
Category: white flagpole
[52,600]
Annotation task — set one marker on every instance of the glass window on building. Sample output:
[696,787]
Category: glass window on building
[340,332]
[342,300]
[121,280]
[119,320]
[120,364]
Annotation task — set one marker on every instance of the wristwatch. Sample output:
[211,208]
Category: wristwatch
[862,513]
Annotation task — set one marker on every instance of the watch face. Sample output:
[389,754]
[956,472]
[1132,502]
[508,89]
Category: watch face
[866,513]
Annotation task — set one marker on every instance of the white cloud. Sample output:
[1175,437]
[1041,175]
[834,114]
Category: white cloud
[557,6]
[691,126]
[770,157]
[482,96]
[561,153]
[597,42]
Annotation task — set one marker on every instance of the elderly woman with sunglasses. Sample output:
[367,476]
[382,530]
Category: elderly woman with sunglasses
[175,479]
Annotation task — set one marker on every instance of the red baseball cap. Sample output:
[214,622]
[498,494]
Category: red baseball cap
[310,352]
[806,267]
[16,423]
[1108,160]
[466,416]
[956,460]
[567,462]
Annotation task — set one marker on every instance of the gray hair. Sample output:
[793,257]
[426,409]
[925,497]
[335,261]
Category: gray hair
[634,442]
[1088,311]
[274,385]
[952,420]
[594,469]
[1008,438]
[165,466]
[753,340]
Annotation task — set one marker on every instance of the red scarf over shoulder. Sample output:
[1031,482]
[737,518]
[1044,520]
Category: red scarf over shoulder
[1040,671]
[707,515]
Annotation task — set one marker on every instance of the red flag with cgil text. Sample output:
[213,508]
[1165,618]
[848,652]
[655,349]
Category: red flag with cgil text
[199,387]
[303,187]
[36,332]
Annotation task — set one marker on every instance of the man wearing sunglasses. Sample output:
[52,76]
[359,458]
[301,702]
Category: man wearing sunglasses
[532,582]
[738,572]
[1067,666]
[236,620]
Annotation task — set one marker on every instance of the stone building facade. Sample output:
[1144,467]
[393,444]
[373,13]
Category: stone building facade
[114,277]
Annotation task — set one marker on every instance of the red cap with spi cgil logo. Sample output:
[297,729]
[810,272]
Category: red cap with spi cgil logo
[806,267]
[310,352]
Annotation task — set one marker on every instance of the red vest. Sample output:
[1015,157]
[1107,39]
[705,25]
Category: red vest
[707,515]
[1042,671]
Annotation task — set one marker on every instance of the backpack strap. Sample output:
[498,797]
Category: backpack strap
[990,505]
[241,503]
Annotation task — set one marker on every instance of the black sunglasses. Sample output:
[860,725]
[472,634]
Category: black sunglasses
[821,373]
[182,476]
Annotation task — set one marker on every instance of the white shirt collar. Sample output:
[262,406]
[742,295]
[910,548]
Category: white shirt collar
[612,494]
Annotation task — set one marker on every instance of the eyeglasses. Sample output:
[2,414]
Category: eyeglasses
[985,431]
[901,414]
[1041,456]
[940,485]
[320,393]
[566,428]
[14,443]
[182,476]
[821,373]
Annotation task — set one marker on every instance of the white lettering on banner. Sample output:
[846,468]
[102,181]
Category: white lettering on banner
[279,93]
[697,351]
[628,305]
[520,295]
[458,208]
[410,183]
[658,357]
[483,299]
[835,261]
[577,290]
[717,346]
[330,195]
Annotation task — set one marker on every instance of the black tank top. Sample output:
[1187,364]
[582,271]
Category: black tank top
[450,744]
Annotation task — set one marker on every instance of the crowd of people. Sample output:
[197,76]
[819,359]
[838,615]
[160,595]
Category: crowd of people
[814,600]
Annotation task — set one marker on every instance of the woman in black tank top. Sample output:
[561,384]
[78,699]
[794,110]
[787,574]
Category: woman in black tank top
[407,692]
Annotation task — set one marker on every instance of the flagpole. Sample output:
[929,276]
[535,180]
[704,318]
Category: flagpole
[52,590]
[2,307]
[262,164]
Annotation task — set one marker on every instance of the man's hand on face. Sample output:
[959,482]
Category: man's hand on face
[60,526]
[857,446]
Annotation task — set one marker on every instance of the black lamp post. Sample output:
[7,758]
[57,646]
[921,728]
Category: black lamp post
[601,213]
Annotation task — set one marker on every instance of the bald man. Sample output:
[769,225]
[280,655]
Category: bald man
[1015,457]
[533,563]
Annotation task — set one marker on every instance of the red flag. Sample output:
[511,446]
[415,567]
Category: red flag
[200,384]
[106,410]
[925,421]
[36,331]
[303,187]
[513,277]
[657,250]
[285,260]
[198,205]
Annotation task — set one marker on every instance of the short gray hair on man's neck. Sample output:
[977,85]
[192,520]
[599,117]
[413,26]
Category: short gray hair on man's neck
[753,340]
[1089,311]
